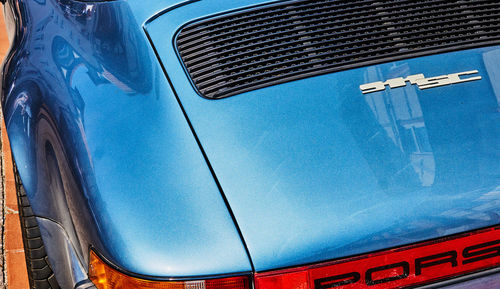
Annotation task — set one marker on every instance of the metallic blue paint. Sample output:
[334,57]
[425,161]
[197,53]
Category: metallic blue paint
[103,147]
[312,169]
[315,170]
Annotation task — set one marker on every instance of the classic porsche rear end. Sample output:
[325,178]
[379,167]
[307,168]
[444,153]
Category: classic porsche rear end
[284,144]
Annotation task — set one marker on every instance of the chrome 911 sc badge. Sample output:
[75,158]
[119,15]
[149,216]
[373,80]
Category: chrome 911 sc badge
[420,80]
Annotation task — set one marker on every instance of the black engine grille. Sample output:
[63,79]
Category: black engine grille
[290,40]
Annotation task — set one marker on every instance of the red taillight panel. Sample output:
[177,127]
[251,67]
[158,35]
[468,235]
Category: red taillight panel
[396,268]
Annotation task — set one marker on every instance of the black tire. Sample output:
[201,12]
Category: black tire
[40,273]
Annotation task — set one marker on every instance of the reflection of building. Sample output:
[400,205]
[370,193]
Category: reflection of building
[491,60]
[400,115]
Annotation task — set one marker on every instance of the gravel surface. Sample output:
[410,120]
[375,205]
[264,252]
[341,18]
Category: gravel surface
[2,211]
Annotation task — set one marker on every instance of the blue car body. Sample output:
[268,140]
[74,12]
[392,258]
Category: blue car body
[119,153]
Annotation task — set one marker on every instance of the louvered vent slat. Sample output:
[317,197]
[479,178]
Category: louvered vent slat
[272,44]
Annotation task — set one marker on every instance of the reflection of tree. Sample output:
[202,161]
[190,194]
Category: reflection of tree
[110,45]
[120,49]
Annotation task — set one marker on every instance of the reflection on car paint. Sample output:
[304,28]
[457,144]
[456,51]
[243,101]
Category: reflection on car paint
[400,115]
[104,149]
[100,141]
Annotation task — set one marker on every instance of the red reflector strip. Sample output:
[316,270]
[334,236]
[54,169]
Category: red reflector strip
[396,268]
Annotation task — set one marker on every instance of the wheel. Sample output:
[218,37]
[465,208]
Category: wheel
[40,273]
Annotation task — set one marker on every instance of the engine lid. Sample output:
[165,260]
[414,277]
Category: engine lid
[315,169]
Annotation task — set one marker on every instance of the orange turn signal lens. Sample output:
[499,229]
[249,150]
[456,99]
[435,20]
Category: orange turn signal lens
[105,277]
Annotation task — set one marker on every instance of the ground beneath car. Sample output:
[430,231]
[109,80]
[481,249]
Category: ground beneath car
[12,261]
[13,273]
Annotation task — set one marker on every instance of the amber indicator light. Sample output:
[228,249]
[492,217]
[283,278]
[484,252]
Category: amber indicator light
[105,277]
